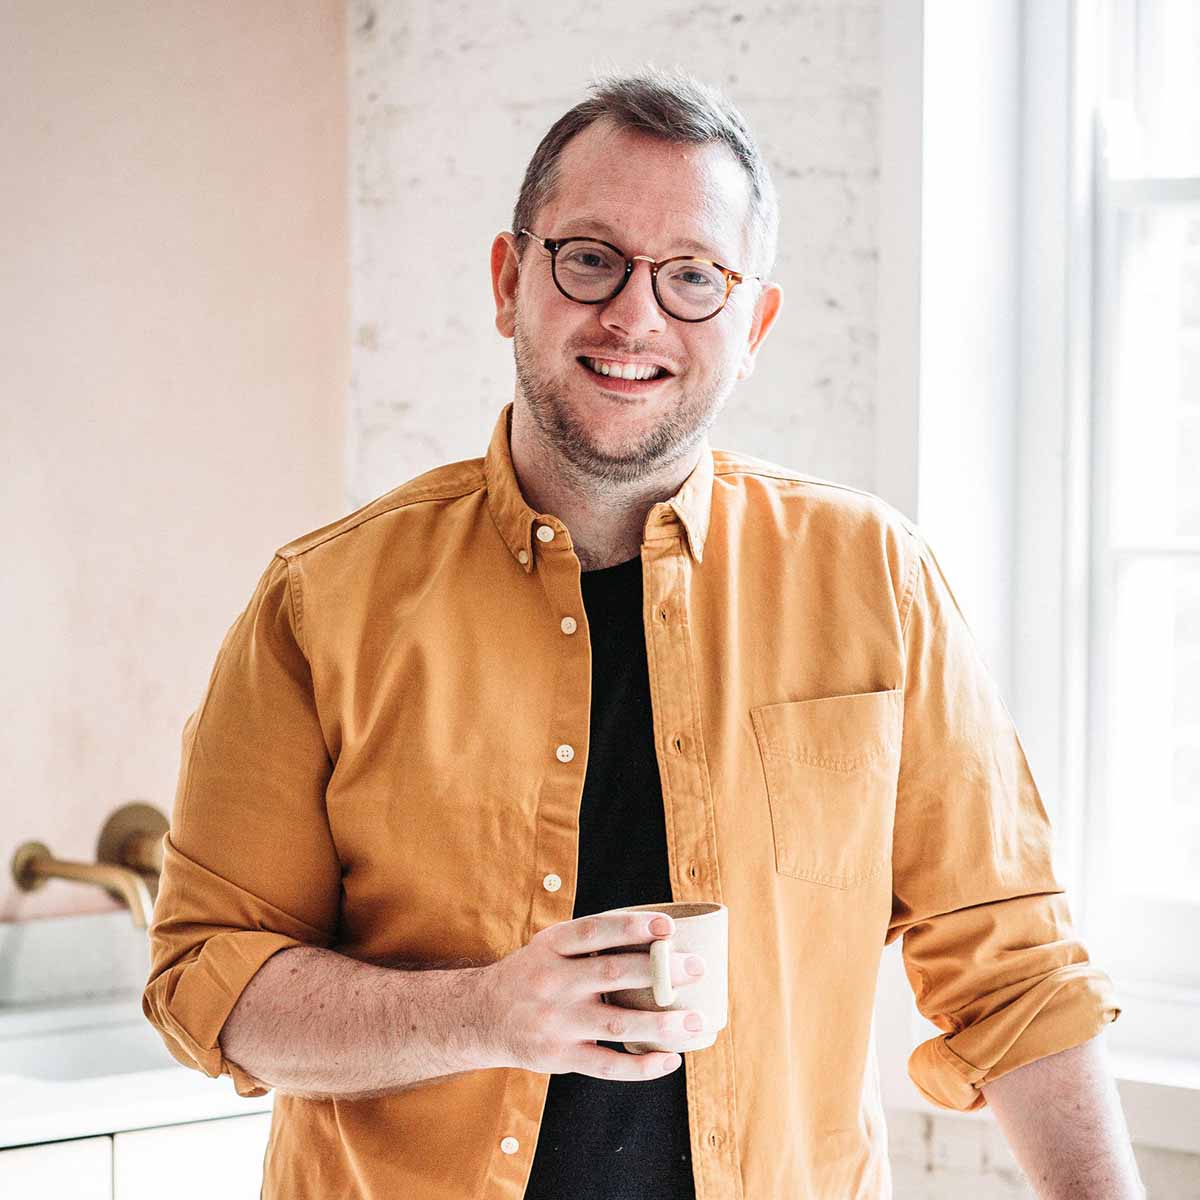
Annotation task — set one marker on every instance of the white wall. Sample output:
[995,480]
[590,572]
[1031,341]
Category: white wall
[175,303]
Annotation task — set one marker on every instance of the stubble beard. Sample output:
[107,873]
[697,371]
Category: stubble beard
[677,432]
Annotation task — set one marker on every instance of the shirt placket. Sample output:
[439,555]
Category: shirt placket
[565,736]
[690,823]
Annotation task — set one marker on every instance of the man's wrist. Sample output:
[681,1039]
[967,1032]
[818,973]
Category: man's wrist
[472,988]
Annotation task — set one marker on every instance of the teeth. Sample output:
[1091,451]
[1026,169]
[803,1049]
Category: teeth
[624,370]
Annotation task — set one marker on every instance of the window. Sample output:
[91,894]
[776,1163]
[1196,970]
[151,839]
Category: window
[1142,824]
[1087,587]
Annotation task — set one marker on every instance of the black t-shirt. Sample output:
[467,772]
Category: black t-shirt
[607,1139]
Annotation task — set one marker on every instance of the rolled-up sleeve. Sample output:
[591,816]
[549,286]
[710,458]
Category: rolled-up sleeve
[249,864]
[988,943]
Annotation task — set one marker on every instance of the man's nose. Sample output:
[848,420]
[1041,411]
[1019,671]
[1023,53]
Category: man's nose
[634,311]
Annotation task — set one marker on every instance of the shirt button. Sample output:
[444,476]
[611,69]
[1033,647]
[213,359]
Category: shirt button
[510,1145]
[545,533]
[522,557]
[565,753]
[551,883]
[568,625]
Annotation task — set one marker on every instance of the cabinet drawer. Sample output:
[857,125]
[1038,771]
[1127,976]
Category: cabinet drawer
[80,1168]
[192,1162]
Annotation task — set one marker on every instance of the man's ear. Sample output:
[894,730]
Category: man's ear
[504,281]
[765,311]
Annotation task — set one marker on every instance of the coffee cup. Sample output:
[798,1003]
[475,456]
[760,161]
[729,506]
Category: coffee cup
[701,927]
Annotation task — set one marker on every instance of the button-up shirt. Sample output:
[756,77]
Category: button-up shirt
[389,761]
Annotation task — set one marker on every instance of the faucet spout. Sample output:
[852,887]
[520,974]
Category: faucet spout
[33,864]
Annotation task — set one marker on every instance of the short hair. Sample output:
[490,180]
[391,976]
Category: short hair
[675,107]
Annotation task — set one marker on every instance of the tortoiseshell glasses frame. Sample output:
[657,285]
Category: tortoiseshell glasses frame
[554,245]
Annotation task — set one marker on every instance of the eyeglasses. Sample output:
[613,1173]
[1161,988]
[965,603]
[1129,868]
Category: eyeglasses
[589,271]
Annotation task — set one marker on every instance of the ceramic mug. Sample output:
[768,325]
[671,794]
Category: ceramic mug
[701,927]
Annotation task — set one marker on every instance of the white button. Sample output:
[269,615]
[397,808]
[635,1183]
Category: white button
[551,883]
[545,533]
[568,625]
[565,753]
[522,557]
[510,1145]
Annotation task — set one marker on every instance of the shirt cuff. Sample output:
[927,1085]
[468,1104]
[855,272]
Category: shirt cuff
[1067,1008]
[189,1003]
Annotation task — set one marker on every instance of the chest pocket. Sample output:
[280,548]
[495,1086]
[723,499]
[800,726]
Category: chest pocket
[831,766]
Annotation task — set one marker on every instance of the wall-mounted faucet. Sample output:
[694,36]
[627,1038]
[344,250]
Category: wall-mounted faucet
[127,866]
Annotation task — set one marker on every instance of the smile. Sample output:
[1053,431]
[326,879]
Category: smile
[615,369]
[614,384]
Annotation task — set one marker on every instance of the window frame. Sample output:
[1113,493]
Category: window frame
[1060,698]
[1050,503]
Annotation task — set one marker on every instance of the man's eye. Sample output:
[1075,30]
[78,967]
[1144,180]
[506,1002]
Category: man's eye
[588,259]
[694,279]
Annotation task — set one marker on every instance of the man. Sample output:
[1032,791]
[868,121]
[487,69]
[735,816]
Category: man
[606,665]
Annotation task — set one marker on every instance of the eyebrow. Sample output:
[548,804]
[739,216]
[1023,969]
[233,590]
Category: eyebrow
[595,225]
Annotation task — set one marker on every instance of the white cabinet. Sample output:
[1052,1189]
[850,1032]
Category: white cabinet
[192,1162]
[73,1170]
[197,1161]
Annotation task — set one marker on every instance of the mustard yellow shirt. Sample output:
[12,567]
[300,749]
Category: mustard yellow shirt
[376,768]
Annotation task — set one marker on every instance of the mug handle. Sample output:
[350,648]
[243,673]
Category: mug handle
[660,972]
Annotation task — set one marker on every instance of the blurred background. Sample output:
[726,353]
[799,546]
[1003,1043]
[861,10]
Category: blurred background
[244,289]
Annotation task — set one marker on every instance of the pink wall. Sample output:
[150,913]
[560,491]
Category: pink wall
[174,295]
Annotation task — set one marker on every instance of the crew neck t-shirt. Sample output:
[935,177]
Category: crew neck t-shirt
[607,1139]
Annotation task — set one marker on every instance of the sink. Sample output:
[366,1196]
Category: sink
[80,1040]
[77,1056]
[94,1066]
[85,1053]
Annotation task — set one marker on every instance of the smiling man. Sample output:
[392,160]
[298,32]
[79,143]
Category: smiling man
[603,665]
[590,440]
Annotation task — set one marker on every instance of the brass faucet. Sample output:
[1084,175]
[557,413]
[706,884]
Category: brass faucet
[127,866]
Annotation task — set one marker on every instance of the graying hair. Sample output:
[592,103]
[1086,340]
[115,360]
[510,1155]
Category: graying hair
[675,107]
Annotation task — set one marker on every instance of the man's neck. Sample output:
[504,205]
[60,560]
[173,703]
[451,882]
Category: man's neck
[606,520]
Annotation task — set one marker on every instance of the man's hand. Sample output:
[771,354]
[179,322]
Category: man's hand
[546,1008]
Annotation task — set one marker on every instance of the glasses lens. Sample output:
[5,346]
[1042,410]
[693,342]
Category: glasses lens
[588,271]
[691,289]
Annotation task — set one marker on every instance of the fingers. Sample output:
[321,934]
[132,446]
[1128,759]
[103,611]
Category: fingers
[594,936]
[604,931]
[603,1063]
[615,972]
[615,1023]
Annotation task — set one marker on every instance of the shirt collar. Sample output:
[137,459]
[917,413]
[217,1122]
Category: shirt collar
[515,519]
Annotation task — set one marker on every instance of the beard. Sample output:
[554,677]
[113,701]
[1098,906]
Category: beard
[672,438]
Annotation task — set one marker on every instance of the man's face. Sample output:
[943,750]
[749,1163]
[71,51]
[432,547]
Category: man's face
[645,196]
